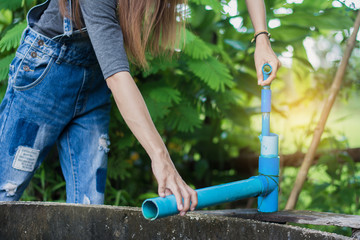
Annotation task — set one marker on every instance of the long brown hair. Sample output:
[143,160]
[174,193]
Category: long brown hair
[147,25]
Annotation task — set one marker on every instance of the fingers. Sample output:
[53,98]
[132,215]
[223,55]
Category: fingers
[168,192]
[264,54]
[186,197]
[275,66]
[259,74]
[177,193]
[194,198]
[189,197]
[170,182]
[271,77]
[162,190]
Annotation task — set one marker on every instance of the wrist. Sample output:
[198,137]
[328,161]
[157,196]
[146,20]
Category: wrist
[262,39]
[159,155]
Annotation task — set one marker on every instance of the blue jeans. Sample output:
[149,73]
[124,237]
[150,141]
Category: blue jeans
[56,94]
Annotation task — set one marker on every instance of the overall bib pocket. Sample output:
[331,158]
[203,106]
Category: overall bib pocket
[32,69]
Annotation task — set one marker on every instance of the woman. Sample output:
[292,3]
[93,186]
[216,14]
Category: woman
[57,93]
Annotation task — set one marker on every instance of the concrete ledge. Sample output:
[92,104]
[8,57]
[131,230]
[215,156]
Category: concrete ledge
[41,220]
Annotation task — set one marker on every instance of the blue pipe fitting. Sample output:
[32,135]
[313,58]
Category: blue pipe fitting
[269,169]
[269,164]
[269,145]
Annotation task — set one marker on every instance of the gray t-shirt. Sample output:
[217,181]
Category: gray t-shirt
[100,19]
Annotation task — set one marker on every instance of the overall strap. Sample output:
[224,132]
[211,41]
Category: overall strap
[68,25]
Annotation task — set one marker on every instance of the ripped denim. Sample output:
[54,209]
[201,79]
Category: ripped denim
[56,95]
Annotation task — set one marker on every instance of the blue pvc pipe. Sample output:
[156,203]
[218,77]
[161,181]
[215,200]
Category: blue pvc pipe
[265,185]
[159,207]
[266,102]
[265,124]
[268,161]
[266,99]
[268,202]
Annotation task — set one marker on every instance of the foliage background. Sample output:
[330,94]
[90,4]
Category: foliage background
[205,103]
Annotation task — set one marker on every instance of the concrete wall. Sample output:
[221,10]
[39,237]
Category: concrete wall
[39,220]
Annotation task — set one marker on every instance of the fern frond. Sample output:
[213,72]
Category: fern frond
[184,118]
[12,37]
[196,48]
[10,4]
[157,109]
[4,66]
[214,73]
[165,95]
[224,55]
[160,99]
[159,64]
[214,4]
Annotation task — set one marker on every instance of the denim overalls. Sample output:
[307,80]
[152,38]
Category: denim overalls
[56,94]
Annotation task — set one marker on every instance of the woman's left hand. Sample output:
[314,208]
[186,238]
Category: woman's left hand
[265,54]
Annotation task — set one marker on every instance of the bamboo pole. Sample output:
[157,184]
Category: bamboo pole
[335,87]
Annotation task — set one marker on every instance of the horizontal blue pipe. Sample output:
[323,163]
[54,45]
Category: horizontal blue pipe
[159,207]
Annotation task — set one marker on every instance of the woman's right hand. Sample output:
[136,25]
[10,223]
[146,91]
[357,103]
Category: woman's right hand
[170,182]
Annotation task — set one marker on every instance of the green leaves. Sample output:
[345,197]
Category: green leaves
[5,17]
[12,37]
[4,66]
[290,33]
[11,4]
[157,65]
[159,98]
[206,67]
[214,73]
[325,19]
[196,48]
[184,117]
[16,4]
[214,4]
[165,94]
[238,45]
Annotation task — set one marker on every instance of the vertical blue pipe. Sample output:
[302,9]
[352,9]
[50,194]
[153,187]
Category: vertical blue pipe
[266,102]
[268,160]
[265,124]
[268,201]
